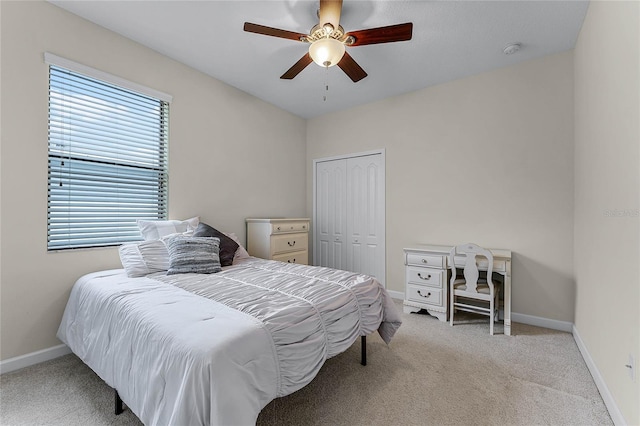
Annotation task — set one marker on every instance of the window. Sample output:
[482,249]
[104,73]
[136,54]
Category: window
[107,160]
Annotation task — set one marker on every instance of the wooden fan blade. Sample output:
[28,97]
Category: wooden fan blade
[351,68]
[274,32]
[399,32]
[297,67]
[330,11]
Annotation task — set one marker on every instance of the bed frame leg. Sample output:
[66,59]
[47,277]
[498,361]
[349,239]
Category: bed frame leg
[118,402]
[363,347]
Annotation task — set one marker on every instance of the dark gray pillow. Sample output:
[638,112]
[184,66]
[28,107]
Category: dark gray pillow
[197,255]
[228,247]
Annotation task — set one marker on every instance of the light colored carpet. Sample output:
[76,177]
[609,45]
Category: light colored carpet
[431,374]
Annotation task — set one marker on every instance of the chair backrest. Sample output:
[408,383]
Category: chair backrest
[471,272]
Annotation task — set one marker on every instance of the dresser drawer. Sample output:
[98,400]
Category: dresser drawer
[300,257]
[424,294]
[289,242]
[426,276]
[279,228]
[417,259]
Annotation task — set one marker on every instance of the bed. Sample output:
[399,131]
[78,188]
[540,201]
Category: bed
[214,349]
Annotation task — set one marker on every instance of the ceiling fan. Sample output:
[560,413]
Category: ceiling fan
[328,40]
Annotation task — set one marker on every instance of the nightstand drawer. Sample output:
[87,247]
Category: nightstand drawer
[425,276]
[424,294]
[299,257]
[416,259]
[279,228]
[289,242]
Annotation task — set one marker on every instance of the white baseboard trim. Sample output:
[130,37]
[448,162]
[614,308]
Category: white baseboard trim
[542,322]
[33,358]
[516,317]
[614,411]
[399,295]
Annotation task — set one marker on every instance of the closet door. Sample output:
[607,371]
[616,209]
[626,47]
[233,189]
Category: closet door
[331,197]
[349,214]
[365,216]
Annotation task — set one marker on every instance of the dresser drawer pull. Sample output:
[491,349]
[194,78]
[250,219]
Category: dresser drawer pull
[279,229]
[428,294]
[291,244]
[426,279]
[291,261]
[425,261]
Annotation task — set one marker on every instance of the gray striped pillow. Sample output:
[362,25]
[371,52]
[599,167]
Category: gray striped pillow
[199,255]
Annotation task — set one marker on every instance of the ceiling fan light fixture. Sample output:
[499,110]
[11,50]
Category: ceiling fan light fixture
[326,52]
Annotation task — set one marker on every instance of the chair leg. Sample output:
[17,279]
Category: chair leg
[451,306]
[491,306]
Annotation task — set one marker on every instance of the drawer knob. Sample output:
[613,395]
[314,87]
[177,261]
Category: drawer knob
[278,228]
[427,296]
[428,276]
[425,261]
[291,244]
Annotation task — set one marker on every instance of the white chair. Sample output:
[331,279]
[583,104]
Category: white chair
[464,291]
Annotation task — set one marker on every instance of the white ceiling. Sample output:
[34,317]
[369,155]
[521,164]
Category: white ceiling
[451,39]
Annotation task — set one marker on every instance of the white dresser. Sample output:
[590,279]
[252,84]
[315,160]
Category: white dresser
[283,239]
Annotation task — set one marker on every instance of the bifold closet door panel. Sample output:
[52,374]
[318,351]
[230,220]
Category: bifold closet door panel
[331,197]
[365,216]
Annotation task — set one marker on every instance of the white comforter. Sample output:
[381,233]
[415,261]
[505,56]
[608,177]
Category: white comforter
[215,349]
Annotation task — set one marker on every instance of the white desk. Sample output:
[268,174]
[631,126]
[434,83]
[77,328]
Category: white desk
[427,279]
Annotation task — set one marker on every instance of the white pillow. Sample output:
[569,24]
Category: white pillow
[241,252]
[140,259]
[156,229]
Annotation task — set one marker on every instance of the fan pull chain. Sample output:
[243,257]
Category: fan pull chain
[326,84]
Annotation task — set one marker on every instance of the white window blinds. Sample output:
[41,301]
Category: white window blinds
[107,161]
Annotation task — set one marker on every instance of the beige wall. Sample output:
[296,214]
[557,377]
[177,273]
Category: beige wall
[217,168]
[486,159]
[607,195]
